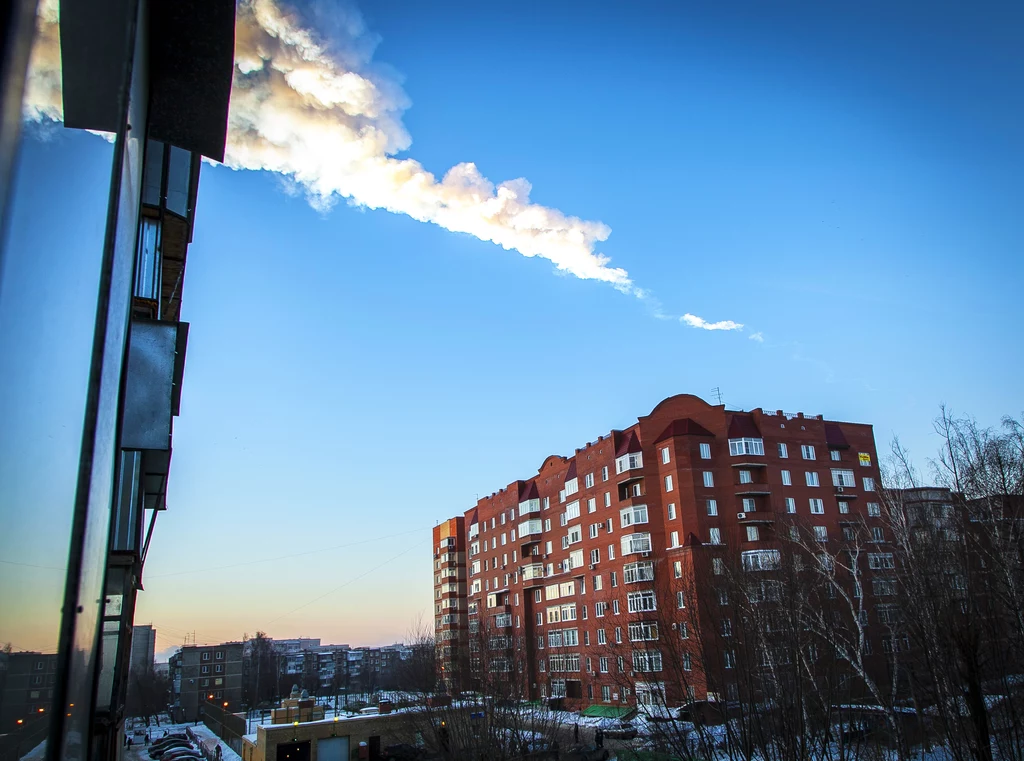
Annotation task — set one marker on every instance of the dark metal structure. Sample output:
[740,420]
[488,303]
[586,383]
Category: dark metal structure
[157,74]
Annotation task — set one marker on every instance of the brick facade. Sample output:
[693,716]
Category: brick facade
[689,480]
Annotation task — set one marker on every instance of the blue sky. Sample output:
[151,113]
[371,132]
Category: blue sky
[844,181]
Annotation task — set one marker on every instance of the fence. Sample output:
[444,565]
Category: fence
[227,726]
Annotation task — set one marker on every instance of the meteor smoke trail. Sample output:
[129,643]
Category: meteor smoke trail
[325,118]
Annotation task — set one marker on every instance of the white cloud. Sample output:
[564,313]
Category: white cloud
[318,112]
[699,322]
[331,122]
[759,337]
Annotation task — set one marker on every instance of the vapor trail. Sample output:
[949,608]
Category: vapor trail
[321,114]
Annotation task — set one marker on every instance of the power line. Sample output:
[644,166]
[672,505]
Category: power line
[33,565]
[341,586]
[284,557]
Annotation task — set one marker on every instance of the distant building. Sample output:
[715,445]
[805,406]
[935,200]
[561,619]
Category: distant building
[206,673]
[143,654]
[26,688]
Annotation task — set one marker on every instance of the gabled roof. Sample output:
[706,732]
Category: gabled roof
[684,427]
[835,438]
[742,427]
[473,518]
[571,473]
[629,442]
[528,491]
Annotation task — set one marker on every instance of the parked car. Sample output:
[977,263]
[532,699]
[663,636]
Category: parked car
[585,753]
[160,750]
[620,730]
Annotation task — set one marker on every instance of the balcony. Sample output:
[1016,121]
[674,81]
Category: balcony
[754,517]
[533,527]
[752,489]
[533,572]
[529,506]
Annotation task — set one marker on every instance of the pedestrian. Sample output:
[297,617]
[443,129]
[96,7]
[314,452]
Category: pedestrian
[576,732]
[599,737]
[129,743]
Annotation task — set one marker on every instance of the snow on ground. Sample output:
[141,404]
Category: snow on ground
[208,741]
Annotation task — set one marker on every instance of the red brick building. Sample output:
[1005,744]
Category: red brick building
[564,562]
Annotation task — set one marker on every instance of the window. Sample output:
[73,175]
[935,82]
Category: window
[604,473]
[723,597]
[600,608]
[598,583]
[787,479]
[726,627]
[219,668]
[634,543]
[588,480]
[219,655]
[204,669]
[752,535]
[540,618]
[745,477]
[705,451]
[844,507]
[760,560]
[646,660]
[807,451]
[206,656]
[687,662]
[843,478]
[591,505]
[680,600]
[615,607]
[602,639]
[664,455]
[614,579]
[712,506]
[639,602]
[869,484]
[811,477]
[835,455]
[631,515]
[821,533]
[864,458]
[874,509]
[746,446]
[595,556]
[634,572]
[817,507]
[877,535]
[794,534]
[709,478]
[571,486]
[572,511]
[609,525]
[607,499]
[668,483]
[718,566]
[749,505]
[674,539]
[547,503]
[715,536]
[671,511]
[630,461]
[594,528]
[611,552]
[880,560]
[849,534]
[684,631]
[783,451]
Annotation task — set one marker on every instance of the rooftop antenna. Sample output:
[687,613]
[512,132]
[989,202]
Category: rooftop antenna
[717,393]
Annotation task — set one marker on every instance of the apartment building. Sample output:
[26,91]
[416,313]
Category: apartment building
[206,673]
[570,560]
[26,688]
[143,652]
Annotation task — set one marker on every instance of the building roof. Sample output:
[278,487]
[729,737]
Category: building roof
[742,427]
[629,442]
[834,437]
[684,427]
[529,491]
[571,473]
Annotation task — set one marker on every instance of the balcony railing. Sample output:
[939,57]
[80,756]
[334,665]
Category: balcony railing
[529,506]
[533,571]
[529,528]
